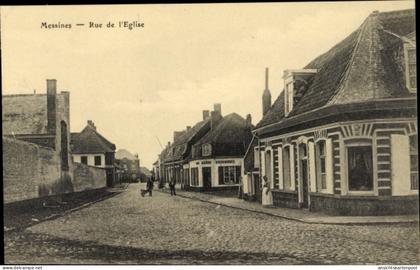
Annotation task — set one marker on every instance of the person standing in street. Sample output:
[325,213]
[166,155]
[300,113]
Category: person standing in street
[267,198]
[172,187]
[149,186]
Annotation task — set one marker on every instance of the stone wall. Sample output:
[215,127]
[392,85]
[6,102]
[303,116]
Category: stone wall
[31,171]
[88,177]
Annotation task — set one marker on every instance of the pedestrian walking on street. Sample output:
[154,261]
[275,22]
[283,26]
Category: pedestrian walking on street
[172,187]
[149,188]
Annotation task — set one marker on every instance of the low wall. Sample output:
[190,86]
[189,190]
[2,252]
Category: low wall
[88,177]
[365,206]
[31,171]
[285,199]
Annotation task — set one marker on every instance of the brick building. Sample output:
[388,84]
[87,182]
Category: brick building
[342,135]
[36,136]
[89,147]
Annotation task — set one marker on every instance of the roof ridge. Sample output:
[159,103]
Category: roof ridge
[343,81]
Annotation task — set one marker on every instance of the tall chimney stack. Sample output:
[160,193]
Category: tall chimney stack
[248,120]
[266,98]
[51,106]
[218,108]
[206,114]
[91,124]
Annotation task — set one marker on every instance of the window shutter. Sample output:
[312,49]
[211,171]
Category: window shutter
[329,165]
[262,164]
[312,167]
[238,174]
[280,161]
[292,168]
[220,175]
[400,162]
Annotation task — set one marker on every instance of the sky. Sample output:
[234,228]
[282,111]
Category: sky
[140,85]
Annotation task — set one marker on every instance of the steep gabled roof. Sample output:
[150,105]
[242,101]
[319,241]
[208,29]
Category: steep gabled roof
[231,136]
[363,67]
[89,141]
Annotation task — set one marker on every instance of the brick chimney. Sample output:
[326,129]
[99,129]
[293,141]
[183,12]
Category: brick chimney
[51,105]
[248,120]
[266,98]
[188,128]
[91,124]
[216,115]
[206,114]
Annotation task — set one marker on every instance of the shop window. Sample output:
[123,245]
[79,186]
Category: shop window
[286,168]
[98,161]
[194,177]
[84,160]
[414,163]
[360,168]
[229,175]
[321,165]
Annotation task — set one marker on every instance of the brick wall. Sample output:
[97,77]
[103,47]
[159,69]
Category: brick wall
[88,177]
[31,171]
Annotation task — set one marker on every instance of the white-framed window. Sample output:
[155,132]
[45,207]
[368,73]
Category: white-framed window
[414,163]
[229,175]
[410,67]
[360,166]
[84,160]
[288,105]
[206,150]
[98,160]
[321,168]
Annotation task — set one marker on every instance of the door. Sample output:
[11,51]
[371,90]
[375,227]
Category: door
[207,178]
[304,174]
[257,187]
[109,177]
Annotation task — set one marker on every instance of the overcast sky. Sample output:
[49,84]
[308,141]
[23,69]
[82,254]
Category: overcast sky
[143,84]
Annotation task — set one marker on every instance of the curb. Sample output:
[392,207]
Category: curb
[298,219]
[53,216]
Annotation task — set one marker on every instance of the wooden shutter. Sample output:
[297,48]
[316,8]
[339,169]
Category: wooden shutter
[400,164]
[312,167]
[329,165]
[238,174]
[220,175]
[280,161]
[292,168]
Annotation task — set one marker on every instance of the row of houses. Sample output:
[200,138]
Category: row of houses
[42,157]
[208,155]
[341,137]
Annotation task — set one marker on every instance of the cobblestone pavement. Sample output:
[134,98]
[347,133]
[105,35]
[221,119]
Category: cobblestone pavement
[164,229]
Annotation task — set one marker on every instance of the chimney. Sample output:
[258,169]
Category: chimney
[169,143]
[266,98]
[51,105]
[206,114]
[188,128]
[177,134]
[248,120]
[216,116]
[91,124]
[218,108]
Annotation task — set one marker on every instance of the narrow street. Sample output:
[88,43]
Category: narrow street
[130,229]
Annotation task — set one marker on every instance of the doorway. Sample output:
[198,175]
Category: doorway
[303,173]
[206,178]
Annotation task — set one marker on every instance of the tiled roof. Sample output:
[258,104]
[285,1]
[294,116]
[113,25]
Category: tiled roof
[367,65]
[89,141]
[230,137]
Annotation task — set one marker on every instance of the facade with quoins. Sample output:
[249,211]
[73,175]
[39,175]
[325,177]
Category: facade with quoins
[342,135]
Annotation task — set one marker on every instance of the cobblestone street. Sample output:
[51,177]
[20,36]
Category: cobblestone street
[130,229]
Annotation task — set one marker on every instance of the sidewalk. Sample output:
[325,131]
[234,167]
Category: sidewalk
[292,214]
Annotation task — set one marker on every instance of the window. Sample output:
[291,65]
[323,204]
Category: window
[229,175]
[320,164]
[414,165]
[206,150]
[194,177]
[411,67]
[360,172]
[286,168]
[288,97]
[98,161]
[83,160]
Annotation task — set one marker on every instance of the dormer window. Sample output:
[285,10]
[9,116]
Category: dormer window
[295,84]
[410,66]
[206,150]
